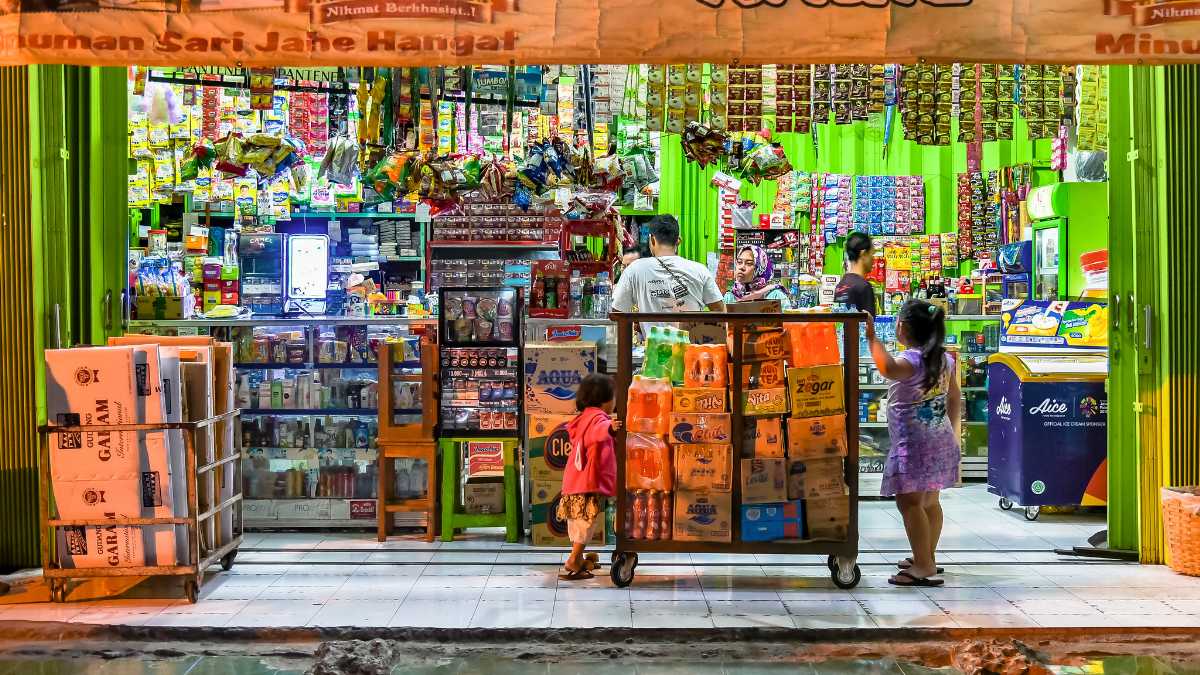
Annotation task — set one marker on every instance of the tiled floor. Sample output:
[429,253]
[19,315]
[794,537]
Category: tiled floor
[1000,572]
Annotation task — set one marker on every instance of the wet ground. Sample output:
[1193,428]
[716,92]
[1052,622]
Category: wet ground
[579,652]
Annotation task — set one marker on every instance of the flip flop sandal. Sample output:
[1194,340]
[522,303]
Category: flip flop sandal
[908,562]
[913,580]
[575,575]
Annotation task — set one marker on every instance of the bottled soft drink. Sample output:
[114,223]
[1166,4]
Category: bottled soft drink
[814,344]
[653,508]
[639,515]
[706,366]
[649,405]
[679,343]
[653,365]
[630,514]
[588,299]
[666,510]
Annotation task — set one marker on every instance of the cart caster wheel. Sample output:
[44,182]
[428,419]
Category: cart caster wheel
[1032,513]
[831,563]
[58,592]
[227,561]
[1005,504]
[191,588]
[622,569]
[846,580]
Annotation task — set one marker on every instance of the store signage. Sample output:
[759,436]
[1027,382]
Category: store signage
[254,33]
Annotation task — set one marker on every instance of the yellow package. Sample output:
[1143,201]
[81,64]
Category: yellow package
[818,391]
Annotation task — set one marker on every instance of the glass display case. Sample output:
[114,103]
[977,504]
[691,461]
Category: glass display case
[260,256]
[480,360]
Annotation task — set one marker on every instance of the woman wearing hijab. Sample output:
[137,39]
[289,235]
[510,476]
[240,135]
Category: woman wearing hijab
[754,278]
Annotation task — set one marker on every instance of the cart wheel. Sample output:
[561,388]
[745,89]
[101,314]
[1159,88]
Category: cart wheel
[846,580]
[1032,513]
[227,561]
[831,562]
[622,568]
[191,589]
[58,591]
[1005,504]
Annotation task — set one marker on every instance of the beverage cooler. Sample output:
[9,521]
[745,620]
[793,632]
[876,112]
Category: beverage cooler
[1048,445]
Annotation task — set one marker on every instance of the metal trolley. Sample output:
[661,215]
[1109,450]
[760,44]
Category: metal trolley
[841,556]
[205,549]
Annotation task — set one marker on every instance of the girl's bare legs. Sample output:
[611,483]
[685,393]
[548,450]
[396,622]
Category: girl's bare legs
[916,526]
[933,512]
[575,560]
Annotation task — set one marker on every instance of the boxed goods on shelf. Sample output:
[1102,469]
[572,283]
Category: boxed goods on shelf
[701,428]
[769,345]
[765,436]
[552,375]
[698,400]
[703,467]
[761,402]
[816,478]
[772,522]
[815,437]
[828,518]
[816,391]
[703,516]
[764,481]
[764,375]
[484,497]
[547,446]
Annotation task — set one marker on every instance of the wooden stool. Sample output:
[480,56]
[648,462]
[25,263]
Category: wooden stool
[407,441]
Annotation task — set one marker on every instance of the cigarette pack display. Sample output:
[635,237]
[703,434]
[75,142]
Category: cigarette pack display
[764,481]
[703,467]
[816,478]
[552,375]
[815,437]
[703,516]
[817,391]
[701,428]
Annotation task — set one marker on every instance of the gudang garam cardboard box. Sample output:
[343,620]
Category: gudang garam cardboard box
[552,375]
[701,428]
[703,516]
[701,468]
[764,481]
[817,392]
[816,437]
[816,478]
[547,446]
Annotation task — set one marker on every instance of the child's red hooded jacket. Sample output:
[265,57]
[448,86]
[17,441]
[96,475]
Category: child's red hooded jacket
[592,466]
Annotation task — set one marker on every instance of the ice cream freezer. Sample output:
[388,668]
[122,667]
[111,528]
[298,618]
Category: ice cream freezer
[1048,442]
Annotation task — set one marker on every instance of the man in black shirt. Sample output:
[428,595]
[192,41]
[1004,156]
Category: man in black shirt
[853,290]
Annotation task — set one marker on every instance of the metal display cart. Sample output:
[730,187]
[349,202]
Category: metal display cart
[201,554]
[841,556]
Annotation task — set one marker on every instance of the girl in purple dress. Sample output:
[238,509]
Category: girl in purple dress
[924,420]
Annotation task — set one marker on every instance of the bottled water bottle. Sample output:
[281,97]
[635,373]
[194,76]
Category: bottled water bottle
[576,294]
[603,301]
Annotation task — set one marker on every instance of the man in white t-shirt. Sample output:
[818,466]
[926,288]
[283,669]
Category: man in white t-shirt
[665,282]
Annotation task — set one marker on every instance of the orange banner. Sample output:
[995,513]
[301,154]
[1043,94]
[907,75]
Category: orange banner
[252,33]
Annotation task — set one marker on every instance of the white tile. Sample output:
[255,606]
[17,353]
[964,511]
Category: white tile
[382,556]
[1187,606]
[376,588]
[375,570]
[914,621]
[730,571]
[590,593]
[318,594]
[468,594]
[1021,593]
[1058,606]
[435,613]
[1132,607]
[188,620]
[348,540]
[310,580]
[257,570]
[268,613]
[273,557]
[1016,620]
[665,594]
[457,570]
[206,607]
[345,613]
[334,557]
[547,580]
[40,611]
[815,595]
[121,616]
[900,607]
[698,607]
[540,571]
[1153,620]
[671,621]
[512,595]
[458,557]
[664,571]
[1072,621]
[580,614]
[825,622]
[824,607]
[753,621]
[997,606]
[451,582]
[733,594]
[500,614]
[953,593]
[739,607]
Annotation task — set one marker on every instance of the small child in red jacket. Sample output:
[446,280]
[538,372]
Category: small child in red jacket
[591,474]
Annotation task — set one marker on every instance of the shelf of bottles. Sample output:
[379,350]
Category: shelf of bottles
[309,395]
[971,348]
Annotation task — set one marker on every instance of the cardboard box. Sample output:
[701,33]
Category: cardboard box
[102,547]
[91,386]
[552,375]
[484,498]
[763,531]
[768,345]
[485,459]
[547,529]
[817,392]
[547,445]
[816,437]
[764,375]
[765,435]
[697,400]
[703,467]
[701,428]
[816,478]
[703,516]
[164,308]
[762,402]
[828,518]
[764,481]
[544,491]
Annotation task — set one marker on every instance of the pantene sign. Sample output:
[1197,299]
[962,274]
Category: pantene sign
[428,32]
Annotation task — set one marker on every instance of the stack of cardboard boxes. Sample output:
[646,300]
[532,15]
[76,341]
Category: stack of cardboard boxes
[765,513]
[701,434]
[553,372]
